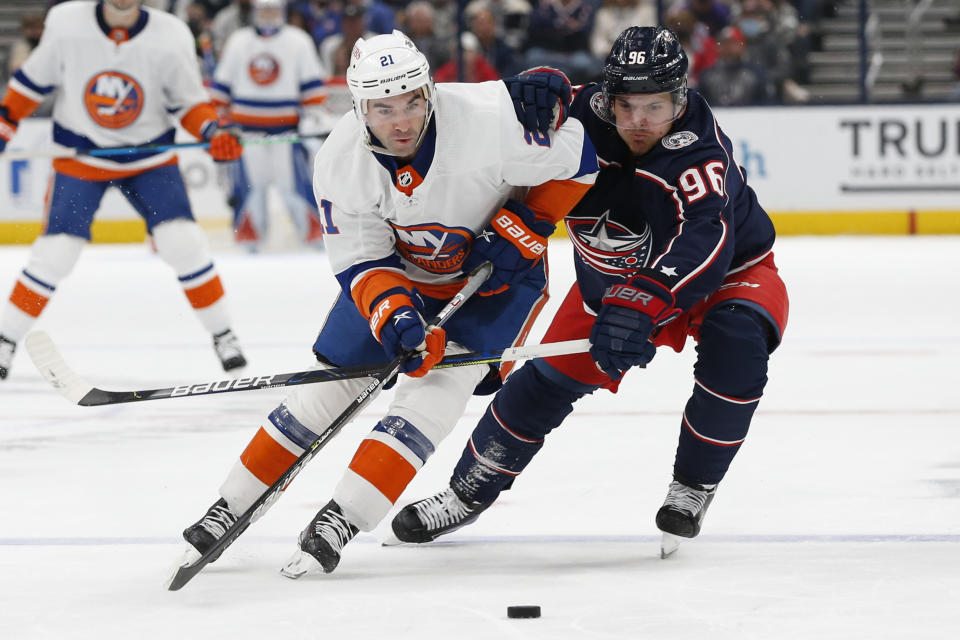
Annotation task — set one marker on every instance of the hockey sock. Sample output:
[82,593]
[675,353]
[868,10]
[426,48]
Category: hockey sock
[510,433]
[730,374]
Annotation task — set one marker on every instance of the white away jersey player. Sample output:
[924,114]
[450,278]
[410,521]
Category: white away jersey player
[117,87]
[266,80]
[428,212]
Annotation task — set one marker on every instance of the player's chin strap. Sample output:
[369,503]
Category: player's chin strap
[108,152]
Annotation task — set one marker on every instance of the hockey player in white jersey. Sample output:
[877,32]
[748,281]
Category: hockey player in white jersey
[104,59]
[270,77]
[415,186]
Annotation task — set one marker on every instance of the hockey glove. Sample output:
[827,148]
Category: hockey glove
[398,326]
[224,142]
[8,127]
[630,312]
[513,242]
[541,98]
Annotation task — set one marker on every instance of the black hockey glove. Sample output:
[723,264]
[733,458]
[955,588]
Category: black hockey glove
[541,98]
[630,312]
[513,242]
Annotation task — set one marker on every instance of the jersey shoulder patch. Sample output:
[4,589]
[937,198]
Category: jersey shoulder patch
[679,139]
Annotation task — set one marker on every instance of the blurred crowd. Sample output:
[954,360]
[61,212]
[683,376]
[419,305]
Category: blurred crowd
[743,52]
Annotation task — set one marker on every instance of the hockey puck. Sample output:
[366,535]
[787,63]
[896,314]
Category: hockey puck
[525,611]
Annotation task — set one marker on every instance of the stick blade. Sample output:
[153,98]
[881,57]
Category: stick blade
[55,370]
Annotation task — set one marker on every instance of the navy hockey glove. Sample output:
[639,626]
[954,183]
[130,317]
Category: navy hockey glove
[513,242]
[630,312]
[398,326]
[8,127]
[541,98]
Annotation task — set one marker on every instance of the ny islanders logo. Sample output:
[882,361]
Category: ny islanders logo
[264,69]
[113,99]
[608,246]
[433,247]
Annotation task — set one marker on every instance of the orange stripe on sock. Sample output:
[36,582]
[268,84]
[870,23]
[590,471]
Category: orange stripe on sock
[27,300]
[206,294]
[266,458]
[383,467]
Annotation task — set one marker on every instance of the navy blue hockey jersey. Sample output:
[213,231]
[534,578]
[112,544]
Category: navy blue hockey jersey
[681,213]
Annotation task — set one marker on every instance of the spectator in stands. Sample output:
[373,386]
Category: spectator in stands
[352,26]
[475,66]
[770,37]
[696,40]
[31,28]
[559,36]
[445,18]
[495,49]
[228,20]
[713,13]
[323,18]
[733,80]
[955,94]
[181,8]
[379,17]
[512,18]
[198,20]
[614,17]
[418,26]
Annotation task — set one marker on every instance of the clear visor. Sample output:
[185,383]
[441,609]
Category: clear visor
[632,111]
[412,107]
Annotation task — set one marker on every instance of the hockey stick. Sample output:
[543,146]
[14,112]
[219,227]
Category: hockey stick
[185,572]
[105,152]
[52,366]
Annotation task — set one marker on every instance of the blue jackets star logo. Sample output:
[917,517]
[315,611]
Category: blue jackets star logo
[608,246]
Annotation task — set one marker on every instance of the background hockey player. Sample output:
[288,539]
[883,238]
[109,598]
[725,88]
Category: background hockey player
[103,59]
[415,185]
[270,76]
[669,243]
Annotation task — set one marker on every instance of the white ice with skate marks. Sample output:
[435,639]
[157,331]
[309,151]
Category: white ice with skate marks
[839,519]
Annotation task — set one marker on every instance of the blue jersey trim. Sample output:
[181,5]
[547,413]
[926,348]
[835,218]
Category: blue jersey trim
[311,84]
[588,157]
[131,32]
[30,84]
[266,103]
[220,87]
[346,277]
[196,274]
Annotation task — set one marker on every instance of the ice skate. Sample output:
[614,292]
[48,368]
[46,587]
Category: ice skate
[205,532]
[7,347]
[228,350]
[321,543]
[427,519]
[682,513]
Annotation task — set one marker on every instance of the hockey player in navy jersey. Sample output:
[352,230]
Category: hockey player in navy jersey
[417,188]
[103,58]
[669,243]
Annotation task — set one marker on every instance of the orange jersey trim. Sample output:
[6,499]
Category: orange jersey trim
[206,294]
[372,284]
[383,467]
[266,458]
[77,169]
[27,300]
[18,105]
[315,100]
[198,115]
[555,199]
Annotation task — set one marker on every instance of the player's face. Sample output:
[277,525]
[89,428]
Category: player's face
[123,5]
[398,121]
[642,119]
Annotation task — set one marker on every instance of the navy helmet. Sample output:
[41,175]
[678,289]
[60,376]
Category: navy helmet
[644,60]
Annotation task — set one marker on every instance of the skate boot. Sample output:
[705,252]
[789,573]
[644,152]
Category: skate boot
[427,519]
[7,347]
[205,532]
[682,513]
[321,543]
[228,350]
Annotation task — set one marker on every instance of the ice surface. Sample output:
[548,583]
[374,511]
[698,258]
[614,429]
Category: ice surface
[840,517]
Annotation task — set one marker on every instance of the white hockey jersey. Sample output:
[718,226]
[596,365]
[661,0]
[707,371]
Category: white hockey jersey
[117,87]
[267,80]
[377,219]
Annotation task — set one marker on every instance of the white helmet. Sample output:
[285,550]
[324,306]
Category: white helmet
[268,16]
[384,66]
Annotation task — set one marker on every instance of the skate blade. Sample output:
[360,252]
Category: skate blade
[669,544]
[300,564]
[391,540]
[187,558]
